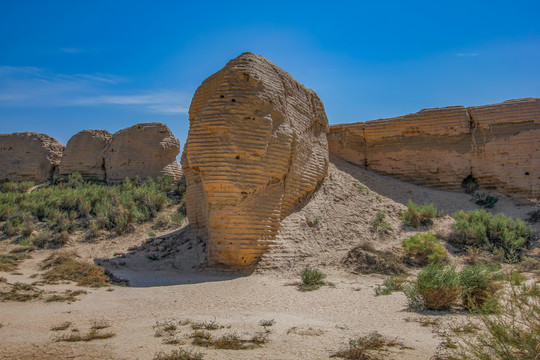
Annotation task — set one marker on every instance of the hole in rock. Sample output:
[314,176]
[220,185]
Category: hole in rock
[526,173]
[222,96]
[237,157]
[233,100]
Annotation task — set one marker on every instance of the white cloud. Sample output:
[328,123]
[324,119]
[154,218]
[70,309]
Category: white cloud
[37,87]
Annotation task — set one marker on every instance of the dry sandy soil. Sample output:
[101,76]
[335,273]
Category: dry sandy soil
[168,282]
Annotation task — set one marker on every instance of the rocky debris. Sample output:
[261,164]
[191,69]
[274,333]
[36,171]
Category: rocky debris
[28,156]
[143,150]
[495,144]
[84,154]
[507,147]
[256,148]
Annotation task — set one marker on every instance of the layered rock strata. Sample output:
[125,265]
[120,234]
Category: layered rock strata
[84,154]
[28,156]
[507,147]
[495,144]
[256,147]
[143,150]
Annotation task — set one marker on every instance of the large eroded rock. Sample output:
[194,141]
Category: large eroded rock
[28,156]
[84,154]
[507,147]
[143,150]
[256,147]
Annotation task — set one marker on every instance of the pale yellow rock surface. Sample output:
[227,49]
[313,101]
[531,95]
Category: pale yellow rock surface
[496,144]
[84,154]
[507,147]
[143,150]
[28,156]
[256,147]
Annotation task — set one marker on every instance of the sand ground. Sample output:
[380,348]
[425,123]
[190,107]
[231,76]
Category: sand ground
[172,285]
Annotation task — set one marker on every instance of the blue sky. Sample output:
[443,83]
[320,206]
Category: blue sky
[71,65]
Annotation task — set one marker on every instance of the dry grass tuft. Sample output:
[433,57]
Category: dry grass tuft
[365,259]
[66,266]
[367,347]
[93,334]
[179,354]
[10,262]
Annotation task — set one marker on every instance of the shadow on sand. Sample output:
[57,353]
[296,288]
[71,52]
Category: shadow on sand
[175,258]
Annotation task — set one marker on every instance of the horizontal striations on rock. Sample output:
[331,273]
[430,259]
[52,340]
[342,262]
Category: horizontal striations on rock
[507,147]
[143,150]
[256,147]
[347,141]
[84,154]
[431,147]
[28,156]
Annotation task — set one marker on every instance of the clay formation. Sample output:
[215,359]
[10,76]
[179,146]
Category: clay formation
[28,156]
[84,154]
[256,147]
[143,150]
[495,144]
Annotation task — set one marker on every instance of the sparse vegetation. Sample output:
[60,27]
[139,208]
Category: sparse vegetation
[390,284]
[485,200]
[9,262]
[368,347]
[21,292]
[365,259]
[419,215]
[480,228]
[513,333]
[437,287]
[479,287]
[379,223]
[312,279]
[58,209]
[423,249]
[267,323]
[93,334]
[362,188]
[207,325]
[66,266]
[179,354]
[68,296]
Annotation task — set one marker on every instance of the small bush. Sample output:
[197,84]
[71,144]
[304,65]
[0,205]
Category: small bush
[390,284]
[379,223]
[179,355]
[529,264]
[365,259]
[266,323]
[480,287]
[10,262]
[437,285]
[363,347]
[513,333]
[312,279]
[68,267]
[93,334]
[419,215]
[423,249]
[21,293]
[485,200]
[162,221]
[480,228]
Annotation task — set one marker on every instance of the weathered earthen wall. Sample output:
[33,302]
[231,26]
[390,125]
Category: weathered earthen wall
[497,144]
[84,153]
[28,156]
[256,147]
[507,147]
[143,150]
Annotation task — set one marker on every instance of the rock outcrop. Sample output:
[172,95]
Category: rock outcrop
[495,144]
[84,154]
[28,156]
[143,150]
[507,147]
[256,147]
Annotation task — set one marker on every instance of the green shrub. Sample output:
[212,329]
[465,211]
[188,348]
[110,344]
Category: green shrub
[480,228]
[390,284]
[513,333]
[479,284]
[419,215]
[438,287]
[312,279]
[485,200]
[423,249]
[379,222]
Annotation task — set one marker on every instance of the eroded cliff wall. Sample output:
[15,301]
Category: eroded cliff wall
[496,144]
